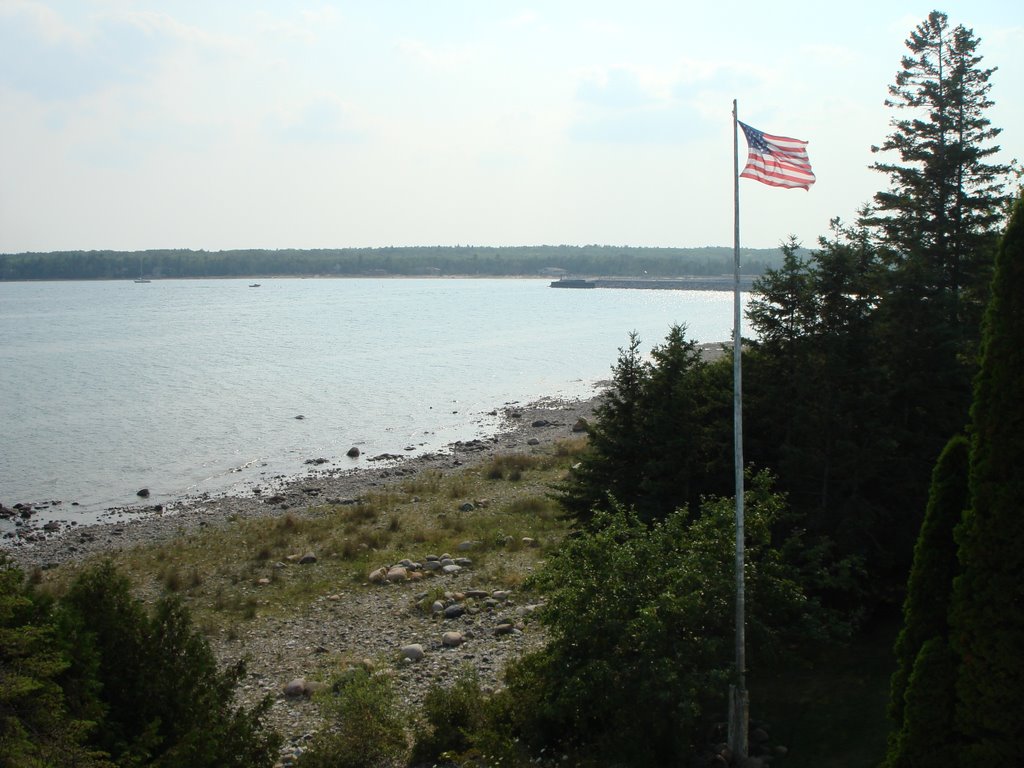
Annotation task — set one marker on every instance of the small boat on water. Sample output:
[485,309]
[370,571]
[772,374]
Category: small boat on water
[254,285]
[141,278]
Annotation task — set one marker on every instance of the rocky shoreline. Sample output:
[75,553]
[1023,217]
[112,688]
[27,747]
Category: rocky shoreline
[384,623]
[537,423]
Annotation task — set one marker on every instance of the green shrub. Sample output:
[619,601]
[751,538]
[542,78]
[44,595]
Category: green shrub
[154,679]
[640,620]
[451,716]
[926,739]
[986,617]
[37,727]
[365,729]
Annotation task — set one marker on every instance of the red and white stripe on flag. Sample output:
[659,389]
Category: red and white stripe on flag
[778,161]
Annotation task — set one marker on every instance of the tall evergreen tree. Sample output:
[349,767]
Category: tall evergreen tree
[673,394]
[988,601]
[782,306]
[946,200]
[937,225]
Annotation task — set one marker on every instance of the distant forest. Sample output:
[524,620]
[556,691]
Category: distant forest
[588,260]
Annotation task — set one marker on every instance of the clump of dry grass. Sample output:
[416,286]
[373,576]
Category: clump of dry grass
[511,466]
[458,486]
[570,446]
[423,483]
[175,581]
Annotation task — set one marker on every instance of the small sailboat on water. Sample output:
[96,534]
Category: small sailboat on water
[141,278]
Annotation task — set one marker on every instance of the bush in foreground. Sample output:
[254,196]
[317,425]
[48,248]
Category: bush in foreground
[153,679]
[98,679]
[641,621]
[364,727]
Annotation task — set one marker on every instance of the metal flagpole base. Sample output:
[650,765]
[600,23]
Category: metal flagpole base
[739,719]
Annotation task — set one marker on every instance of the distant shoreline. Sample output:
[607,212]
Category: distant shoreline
[539,278]
[550,261]
[608,281]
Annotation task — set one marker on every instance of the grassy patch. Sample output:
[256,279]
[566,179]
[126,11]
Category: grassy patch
[423,483]
[570,446]
[242,569]
[511,466]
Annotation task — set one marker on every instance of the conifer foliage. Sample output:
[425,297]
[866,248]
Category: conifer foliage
[163,699]
[98,680]
[937,227]
[37,727]
[958,693]
[988,602]
[648,447]
[921,703]
[814,407]
[946,200]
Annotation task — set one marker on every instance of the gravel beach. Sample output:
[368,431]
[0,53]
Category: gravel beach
[478,626]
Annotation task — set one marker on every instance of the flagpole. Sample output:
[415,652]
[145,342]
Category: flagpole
[738,703]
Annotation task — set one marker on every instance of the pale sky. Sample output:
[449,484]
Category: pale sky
[218,124]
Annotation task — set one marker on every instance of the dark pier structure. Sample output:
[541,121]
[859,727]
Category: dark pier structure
[697,283]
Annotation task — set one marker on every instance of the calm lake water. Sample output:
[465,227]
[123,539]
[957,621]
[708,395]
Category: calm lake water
[186,386]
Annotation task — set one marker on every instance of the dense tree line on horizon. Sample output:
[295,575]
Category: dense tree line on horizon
[588,260]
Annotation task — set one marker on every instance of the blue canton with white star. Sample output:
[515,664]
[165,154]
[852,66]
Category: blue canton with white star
[756,139]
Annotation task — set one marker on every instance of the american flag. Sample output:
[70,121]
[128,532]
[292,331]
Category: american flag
[778,161]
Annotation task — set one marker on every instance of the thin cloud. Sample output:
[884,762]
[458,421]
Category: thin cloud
[41,21]
[445,59]
[406,115]
[43,55]
[618,88]
[524,19]
[629,106]
[321,121]
[308,27]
